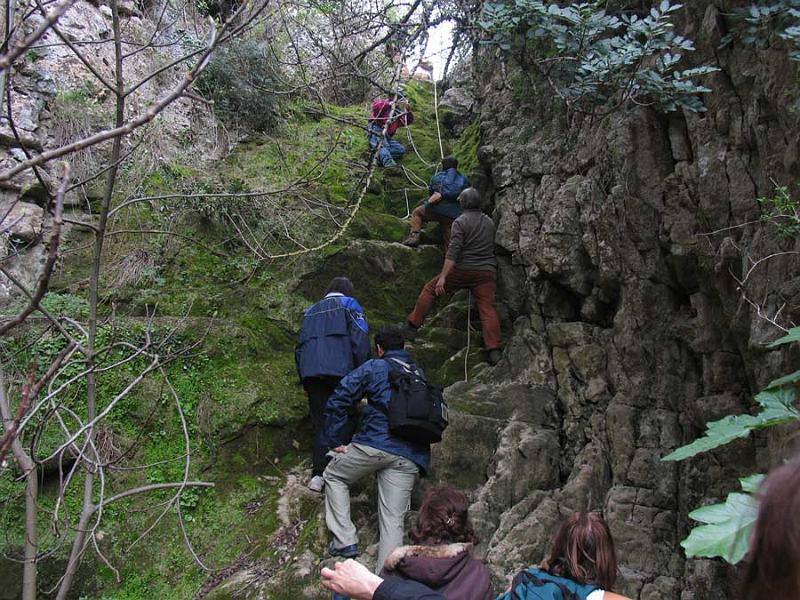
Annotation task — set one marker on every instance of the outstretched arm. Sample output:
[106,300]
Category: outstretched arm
[351,578]
[349,391]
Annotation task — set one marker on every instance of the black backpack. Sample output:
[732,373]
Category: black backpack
[417,411]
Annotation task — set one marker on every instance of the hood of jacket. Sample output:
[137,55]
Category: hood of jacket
[434,566]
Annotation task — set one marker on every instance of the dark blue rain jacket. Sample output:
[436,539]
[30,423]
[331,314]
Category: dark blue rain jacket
[449,184]
[371,380]
[334,339]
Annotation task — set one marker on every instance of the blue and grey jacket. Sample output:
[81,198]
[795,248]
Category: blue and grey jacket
[334,339]
[449,184]
[371,380]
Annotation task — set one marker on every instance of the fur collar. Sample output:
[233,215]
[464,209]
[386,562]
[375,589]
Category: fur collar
[441,551]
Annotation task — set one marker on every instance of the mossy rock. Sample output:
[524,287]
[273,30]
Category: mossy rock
[370,225]
[387,276]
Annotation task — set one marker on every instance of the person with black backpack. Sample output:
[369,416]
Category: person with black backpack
[403,416]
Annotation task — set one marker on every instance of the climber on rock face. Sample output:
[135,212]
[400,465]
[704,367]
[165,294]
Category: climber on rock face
[397,114]
[443,205]
[334,340]
[396,462]
[469,264]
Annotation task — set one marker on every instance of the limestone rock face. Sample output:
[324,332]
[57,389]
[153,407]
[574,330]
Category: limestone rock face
[458,103]
[55,100]
[622,237]
[23,220]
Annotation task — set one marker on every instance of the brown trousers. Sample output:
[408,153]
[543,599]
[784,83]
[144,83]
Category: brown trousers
[419,215]
[482,284]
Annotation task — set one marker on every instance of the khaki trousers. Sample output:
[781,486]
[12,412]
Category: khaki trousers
[396,477]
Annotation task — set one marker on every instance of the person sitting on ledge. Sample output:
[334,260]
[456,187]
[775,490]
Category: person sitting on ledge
[442,206]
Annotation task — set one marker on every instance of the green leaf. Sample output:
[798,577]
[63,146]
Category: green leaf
[792,336]
[777,407]
[792,378]
[752,483]
[727,528]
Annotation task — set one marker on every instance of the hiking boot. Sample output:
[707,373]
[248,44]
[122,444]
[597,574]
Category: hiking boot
[412,241]
[316,484]
[350,551]
[389,164]
[493,356]
[409,331]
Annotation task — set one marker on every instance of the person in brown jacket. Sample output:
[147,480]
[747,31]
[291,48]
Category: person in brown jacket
[441,557]
[469,263]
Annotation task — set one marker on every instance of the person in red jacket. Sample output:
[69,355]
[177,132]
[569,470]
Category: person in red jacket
[396,113]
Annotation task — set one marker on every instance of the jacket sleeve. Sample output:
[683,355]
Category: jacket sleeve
[349,391]
[435,184]
[408,118]
[394,588]
[358,330]
[456,241]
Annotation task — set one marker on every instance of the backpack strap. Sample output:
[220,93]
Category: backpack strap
[530,577]
[403,366]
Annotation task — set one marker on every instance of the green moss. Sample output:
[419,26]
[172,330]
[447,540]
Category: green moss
[466,149]
[237,386]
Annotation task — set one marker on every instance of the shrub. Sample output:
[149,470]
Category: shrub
[594,57]
[242,79]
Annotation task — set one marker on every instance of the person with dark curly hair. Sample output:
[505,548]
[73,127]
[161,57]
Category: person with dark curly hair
[441,556]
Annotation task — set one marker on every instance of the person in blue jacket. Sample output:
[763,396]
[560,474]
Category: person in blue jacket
[334,340]
[442,206]
[396,462]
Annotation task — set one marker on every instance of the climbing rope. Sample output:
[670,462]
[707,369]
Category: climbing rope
[430,165]
[469,329]
[436,114]
[408,206]
[420,183]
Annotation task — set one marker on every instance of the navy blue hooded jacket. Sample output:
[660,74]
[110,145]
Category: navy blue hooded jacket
[334,339]
[449,184]
[371,380]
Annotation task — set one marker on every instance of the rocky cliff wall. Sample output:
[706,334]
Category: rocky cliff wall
[622,237]
[54,100]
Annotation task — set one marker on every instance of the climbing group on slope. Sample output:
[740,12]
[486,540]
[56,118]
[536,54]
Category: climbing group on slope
[390,435]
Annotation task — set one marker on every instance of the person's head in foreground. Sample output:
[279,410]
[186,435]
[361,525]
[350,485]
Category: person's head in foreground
[773,564]
[389,337]
[470,198]
[443,518]
[583,551]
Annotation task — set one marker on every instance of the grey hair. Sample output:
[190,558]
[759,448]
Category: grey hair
[470,198]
